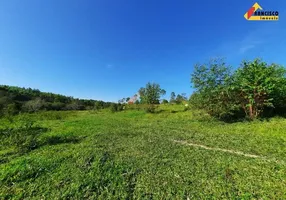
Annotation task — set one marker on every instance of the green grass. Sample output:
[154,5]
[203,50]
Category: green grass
[132,155]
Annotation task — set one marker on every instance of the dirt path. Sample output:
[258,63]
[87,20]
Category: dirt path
[228,151]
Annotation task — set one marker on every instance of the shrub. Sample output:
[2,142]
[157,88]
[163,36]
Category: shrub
[74,106]
[11,109]
[57,106]
[34,105]
[120,107]
[113,107]
[251,88]
[256,84]
[165,101]
[150,108]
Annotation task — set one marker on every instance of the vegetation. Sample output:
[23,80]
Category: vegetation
[14,100]
[133,155]
[165,101]
[256,84]
[173,97]
[58,147]
[150,95]
[255,87]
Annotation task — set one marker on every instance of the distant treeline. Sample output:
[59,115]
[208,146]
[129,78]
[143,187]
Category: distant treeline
[14,100]
[255,89]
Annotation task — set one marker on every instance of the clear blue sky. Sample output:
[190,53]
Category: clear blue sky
[108,49]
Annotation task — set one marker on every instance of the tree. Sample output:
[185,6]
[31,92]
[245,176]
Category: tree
[253,88]
[173,97]
[4,102]
[165,101]
[256,84]
[150,95]
[121,100]
[212,83]
[34,105]
[11,109]
[75,105]
[113,107]
[30,100]
[196,99]
[56,106]
[181,98]
[279,99]
[141,93]
[163,92]
[98,105]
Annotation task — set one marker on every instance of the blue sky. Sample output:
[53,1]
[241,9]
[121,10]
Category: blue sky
[108,49]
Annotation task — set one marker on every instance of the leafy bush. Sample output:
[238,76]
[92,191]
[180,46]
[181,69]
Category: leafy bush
[113,108]
[186,108]
[251,89]
[120,107]
[150,109]
[116,107]
[74,106]
[165,101]
[256,84]
[34,105]
[11,109]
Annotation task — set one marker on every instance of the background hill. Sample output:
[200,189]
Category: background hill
[14,100]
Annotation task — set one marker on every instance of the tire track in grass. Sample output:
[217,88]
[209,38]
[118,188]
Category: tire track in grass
[228,151]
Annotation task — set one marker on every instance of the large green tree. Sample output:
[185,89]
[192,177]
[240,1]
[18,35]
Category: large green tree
[212,81]
[252,88]
[173,97]
[258,85]
[181,98]
[150,95]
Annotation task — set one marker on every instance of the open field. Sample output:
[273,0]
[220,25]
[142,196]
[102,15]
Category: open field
[133,155]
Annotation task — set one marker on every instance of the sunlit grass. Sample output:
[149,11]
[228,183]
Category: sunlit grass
[131,154]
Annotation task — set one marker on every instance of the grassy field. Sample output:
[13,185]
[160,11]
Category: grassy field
[133,155]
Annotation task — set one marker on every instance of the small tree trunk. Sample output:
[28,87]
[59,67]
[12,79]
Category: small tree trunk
[251,114]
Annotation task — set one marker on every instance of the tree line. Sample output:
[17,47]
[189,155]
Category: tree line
[14,100]
[255,89]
